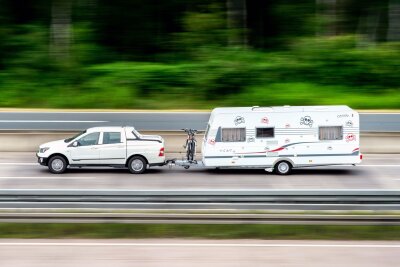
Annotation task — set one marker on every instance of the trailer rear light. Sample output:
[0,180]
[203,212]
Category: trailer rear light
[161,154]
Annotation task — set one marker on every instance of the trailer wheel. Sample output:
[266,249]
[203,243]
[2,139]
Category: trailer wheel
[283,167]
[137,165]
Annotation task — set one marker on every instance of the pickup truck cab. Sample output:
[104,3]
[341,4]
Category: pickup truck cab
[120,147]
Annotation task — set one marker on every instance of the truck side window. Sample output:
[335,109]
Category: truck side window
[233,134]
[111,138]
[265,132]
[330,133]
[89,140]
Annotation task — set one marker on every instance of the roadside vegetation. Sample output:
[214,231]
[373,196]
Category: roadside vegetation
[196,55]
[312,72]
[211,231]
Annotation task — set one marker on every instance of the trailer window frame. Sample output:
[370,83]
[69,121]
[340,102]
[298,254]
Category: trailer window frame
[265,137]
[221,136]
[330,126]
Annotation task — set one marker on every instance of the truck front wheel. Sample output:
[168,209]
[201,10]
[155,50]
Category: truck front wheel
[57,164]
[137,165]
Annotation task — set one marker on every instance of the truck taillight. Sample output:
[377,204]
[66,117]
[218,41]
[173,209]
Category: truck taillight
[161,154]
[361,156]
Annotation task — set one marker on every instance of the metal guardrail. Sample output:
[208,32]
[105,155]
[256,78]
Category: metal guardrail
[187,218]
[203,199]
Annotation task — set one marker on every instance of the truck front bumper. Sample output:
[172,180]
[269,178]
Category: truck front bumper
[42,160]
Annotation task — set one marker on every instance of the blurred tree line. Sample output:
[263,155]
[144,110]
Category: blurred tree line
[199,53]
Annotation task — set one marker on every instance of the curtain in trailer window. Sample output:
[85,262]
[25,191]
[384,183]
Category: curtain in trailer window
[331,133]
[233,134]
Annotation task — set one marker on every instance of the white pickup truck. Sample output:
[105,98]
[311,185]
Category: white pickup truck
[120,147]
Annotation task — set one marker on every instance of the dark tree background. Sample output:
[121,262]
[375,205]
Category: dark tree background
[141,52]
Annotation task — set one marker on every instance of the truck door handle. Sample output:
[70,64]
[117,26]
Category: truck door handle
[94,148]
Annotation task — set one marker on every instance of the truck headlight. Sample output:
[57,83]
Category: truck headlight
[43,149]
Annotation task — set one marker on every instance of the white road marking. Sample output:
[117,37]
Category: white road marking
[361,165]
[129,204]
[18,163]
[51,121]
[46,177]
[377,165]
[86,244]
[224,203]
[380,113]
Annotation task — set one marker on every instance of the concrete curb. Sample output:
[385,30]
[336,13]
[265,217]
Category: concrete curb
[30,141]
[384,143]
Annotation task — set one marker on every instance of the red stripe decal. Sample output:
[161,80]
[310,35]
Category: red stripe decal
[278,149]
[251,152]
[275,150]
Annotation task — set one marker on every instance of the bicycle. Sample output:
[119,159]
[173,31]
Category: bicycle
[190,146]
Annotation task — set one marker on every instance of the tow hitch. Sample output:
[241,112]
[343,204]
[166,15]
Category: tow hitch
[183,163]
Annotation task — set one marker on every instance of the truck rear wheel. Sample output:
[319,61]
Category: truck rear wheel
[283,167]
[57,164]
[137,165]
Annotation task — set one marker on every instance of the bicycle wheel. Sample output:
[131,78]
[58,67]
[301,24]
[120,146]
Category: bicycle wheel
[190,151]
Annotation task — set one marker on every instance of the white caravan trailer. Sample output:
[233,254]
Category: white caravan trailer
[282,138]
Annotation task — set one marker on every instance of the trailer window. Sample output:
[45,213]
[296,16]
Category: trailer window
[233,134]
[265,132]
[331,133]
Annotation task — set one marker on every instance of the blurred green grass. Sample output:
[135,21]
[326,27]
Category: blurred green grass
[210,231]
[312,71]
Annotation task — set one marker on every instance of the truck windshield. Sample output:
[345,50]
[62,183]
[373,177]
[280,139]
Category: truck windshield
[73,137]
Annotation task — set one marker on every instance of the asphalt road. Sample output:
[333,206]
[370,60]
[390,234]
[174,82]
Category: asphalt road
[84,120]
[178,252]
[72,121]
[378,171]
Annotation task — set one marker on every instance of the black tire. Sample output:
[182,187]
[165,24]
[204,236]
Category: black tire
[57,164]
[137,165]
[190,151]
[186,167]
[283,167]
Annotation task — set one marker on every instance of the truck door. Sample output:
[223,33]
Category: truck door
[113,148]
[87,149]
